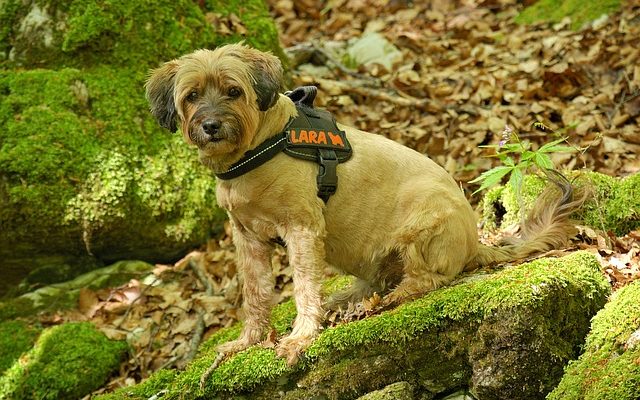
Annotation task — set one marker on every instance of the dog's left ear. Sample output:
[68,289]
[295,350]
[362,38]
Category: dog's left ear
[267,72]
[160,88]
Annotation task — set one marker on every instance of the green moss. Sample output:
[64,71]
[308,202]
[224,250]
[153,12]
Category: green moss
[609,368]
[502,205]
[579,11]
[122,33]
[151,386]
[395,391]
[67,362]
[435,318]
[463,302]
[119,171]
[613,204]
[16,337]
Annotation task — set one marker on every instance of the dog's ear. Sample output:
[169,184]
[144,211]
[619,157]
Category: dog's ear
[160,88]
[268,75]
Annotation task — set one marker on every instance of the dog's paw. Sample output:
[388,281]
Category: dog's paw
[290,348]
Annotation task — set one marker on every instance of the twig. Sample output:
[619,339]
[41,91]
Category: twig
[615,110]
[303,52]
[196,338]
[349,86]
[200,325]
[209,371]
[343,68]
[202,277]
[130,306]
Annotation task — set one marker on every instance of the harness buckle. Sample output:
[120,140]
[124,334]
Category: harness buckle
[327,178]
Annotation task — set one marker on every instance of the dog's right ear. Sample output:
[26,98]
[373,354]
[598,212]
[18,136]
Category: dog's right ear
[160,88]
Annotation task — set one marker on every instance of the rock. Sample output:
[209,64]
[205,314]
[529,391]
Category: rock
[608,369]
[373,48]
[87,177]
[614,204]
[395,391]
[505,336]
[67,362]
[64,295]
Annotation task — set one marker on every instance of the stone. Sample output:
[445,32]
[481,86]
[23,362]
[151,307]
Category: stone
[505,335]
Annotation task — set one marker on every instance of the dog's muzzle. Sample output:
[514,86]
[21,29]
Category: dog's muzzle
[211,129]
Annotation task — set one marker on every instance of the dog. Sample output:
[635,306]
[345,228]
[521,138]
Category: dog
[398,222]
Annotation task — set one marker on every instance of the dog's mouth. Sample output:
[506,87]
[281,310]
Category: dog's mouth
[204,140]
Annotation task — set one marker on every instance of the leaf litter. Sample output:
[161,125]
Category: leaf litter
[450,76]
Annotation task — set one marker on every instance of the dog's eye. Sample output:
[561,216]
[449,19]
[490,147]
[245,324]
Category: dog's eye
[193,96]
[235,92]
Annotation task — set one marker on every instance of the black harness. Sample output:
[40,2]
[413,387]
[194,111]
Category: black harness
[312,135]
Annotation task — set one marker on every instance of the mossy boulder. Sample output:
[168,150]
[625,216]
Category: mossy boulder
[613,205]
[140,33]
[67,362]
[505,335]
[87,177]
[65,295]
[16,337]
[609,368]
[580,12]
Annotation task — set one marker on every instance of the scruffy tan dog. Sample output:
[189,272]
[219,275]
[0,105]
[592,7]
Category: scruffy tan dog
[398,222]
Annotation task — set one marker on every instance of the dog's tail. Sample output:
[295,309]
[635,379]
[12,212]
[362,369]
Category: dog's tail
[547,226]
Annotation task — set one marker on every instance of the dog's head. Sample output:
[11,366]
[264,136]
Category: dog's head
[216,96]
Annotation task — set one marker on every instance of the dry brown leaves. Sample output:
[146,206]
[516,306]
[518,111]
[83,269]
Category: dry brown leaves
[165,316]
[468,70]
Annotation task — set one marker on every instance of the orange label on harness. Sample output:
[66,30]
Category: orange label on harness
[315,137]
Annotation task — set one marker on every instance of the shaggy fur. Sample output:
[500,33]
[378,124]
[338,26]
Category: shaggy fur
[398,221]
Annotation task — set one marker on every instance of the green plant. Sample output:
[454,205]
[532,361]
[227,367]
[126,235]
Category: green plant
[518,158]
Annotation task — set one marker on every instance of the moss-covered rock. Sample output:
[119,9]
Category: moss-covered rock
[505,335]
[140,33]
[67,362]
[609,368]
[395,391]
[580,12]
[87,176]
[64,295]
[613,205]
[16,337]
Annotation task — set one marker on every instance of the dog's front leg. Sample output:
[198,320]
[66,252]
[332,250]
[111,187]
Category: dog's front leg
[254,262]
[306,255]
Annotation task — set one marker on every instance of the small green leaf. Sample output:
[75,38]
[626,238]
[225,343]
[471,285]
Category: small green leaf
[527,155]
[557,149]
[545,147]
[542,160]
[508,161]
[516,178]
[491,177]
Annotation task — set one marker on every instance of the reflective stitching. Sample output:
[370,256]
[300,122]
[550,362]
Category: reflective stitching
[303,155]
[249,159]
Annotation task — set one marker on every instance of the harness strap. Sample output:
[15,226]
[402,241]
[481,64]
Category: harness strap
[327,178]
[254,158]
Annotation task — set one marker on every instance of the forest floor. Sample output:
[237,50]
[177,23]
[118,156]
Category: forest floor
[455,75]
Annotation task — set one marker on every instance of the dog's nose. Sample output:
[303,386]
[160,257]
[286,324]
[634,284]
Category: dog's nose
[211,126]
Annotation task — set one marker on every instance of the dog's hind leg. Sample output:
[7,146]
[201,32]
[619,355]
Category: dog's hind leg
[434,247]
